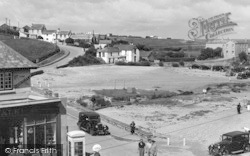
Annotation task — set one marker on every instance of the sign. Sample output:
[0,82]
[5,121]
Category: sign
[212,27]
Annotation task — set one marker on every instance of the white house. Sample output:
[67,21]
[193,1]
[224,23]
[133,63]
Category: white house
[36,30]
[49,36]
[62,35]
[126,53]
[230,48]
[233,48]
[102,44]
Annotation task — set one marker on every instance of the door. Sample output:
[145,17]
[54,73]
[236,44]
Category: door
[134,58]
[109,60]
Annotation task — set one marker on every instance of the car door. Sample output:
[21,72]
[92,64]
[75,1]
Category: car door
[237,143]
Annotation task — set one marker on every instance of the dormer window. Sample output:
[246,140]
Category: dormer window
[6,81]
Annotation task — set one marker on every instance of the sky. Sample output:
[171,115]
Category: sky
[164,18]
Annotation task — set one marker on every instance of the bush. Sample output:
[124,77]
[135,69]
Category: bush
[83,61]
[186,59]
[175,64]
[243,56]
[204,67]
[182,63]
[69,41]
[100,101]
[195,66]
[81,102]
[143,63]
[161,64]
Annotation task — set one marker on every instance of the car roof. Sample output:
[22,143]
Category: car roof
[234,133]
[89,113]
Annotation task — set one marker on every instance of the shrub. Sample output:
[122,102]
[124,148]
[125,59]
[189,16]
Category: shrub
[195,66]
[182,63]
[161,64]
[143,63]
[186,59]
[204,67]
[81,102]
[69,41]
[243,56]
[83,61]
[100,101]
[175,64]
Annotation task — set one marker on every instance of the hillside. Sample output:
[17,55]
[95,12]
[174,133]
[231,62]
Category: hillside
[30,48]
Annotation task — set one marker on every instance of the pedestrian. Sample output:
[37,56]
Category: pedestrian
[148,146]
[153,149]
[239,108]
[96,148]
[141,147]
[132,127]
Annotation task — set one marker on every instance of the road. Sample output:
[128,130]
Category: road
[74,52]
[110,146]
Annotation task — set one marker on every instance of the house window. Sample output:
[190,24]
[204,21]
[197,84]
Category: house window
[99,54]
[6,81]
[135,51]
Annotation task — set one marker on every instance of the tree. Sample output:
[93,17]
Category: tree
[91,51]
[69,41]
[143,47]
[243,56]
[217,52]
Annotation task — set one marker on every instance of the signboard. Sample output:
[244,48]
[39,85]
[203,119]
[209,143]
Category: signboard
[212,27]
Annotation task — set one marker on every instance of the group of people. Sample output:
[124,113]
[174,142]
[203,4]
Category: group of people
[149,148]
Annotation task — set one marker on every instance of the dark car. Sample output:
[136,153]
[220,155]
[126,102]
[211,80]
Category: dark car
[242,75]
[91,122]
[232,142]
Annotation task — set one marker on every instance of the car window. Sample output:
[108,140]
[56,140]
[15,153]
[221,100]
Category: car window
[238,138]
[228,138]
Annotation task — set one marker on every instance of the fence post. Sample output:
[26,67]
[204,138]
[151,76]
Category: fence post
[184,141]
[168,141]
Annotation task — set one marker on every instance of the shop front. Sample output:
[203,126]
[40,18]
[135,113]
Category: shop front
[33,126]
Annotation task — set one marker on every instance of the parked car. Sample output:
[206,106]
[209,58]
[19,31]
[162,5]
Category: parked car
[242,75]
[232,142]
[90,122]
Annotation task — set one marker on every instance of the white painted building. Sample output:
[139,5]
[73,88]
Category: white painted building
[49,36]
[126,53]
[36,30]
[63,35]
[230,48]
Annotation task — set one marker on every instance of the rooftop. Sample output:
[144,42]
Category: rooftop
[64,32]
[125,46]
[9,58]
[109,49]
[37,26]
[49,31]
[234,133]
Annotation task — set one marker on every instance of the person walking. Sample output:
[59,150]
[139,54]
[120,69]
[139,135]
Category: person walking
[148,146]
[153,149]
[132,127]
[141,147]
[239,108]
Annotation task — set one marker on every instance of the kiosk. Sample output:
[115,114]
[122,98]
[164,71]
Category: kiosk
[76,143]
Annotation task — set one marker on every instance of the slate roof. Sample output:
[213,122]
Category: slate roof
[10,59]
[145,53]
[49,31]
[37,26]
[234,133]
[125,46]
[105,42]
[64,32]
[109,49]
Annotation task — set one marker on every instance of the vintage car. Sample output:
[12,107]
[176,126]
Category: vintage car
[232,142]
[91,122]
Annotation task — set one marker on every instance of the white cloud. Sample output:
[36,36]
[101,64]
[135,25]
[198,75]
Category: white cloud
[138,17]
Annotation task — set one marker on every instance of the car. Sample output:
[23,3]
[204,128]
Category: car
[90,122]
[232,142]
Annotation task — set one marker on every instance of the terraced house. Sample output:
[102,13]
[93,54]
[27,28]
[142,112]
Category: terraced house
[126,53]
[28,120]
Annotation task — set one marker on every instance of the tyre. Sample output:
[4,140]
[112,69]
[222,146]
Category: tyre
[247,148]
[225,152]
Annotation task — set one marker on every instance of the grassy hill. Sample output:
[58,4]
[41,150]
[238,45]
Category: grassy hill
[30,48]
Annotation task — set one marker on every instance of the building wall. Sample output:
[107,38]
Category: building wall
[232,49]
[214,45]
[49,37]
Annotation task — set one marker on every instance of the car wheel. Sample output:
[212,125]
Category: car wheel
[247,148]
[225,152]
